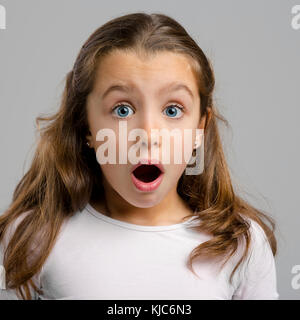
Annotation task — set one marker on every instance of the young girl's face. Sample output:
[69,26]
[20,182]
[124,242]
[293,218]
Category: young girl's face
[147,101]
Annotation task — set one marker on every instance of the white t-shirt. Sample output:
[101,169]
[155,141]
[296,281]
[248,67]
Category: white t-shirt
[98,257]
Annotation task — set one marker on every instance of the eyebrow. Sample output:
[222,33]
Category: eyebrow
[173,86]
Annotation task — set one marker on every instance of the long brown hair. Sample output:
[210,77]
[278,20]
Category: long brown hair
[64,174]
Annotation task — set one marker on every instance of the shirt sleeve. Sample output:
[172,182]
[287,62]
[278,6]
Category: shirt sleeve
[7,293]
[258,281]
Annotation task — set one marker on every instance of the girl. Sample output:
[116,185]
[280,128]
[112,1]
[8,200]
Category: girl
[81,229]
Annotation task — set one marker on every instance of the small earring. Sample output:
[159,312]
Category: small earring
[194,152]
[195,148]
[87,143]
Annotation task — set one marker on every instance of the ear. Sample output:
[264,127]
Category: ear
[202,125]
[205,119]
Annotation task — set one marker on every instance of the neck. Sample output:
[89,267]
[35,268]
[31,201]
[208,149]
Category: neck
[171,210]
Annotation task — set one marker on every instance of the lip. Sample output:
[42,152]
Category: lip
[147,186]
[154,162]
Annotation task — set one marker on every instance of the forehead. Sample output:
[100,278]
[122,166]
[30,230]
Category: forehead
[159,68]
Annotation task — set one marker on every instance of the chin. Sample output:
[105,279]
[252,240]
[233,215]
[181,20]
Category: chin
[148,200]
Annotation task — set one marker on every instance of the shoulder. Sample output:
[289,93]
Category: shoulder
[260,257]
[258,278]
[259,239]
[3,245]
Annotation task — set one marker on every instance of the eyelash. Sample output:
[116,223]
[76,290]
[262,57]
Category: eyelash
[182,109]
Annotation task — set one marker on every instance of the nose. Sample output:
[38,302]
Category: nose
[150,124]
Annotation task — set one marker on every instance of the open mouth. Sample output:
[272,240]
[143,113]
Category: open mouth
[147,173]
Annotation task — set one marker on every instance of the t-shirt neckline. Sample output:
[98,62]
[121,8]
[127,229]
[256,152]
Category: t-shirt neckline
[133,226]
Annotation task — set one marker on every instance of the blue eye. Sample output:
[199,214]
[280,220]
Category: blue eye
[122,110]
[173,111]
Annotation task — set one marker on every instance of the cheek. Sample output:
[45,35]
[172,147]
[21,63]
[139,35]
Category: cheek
[113,173]
[106,133]
[107,169]
[97,122]
[181,147]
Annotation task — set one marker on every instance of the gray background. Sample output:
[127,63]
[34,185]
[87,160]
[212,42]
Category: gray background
[256,59]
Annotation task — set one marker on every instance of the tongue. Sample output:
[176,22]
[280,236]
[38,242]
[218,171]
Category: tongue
[146,173]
